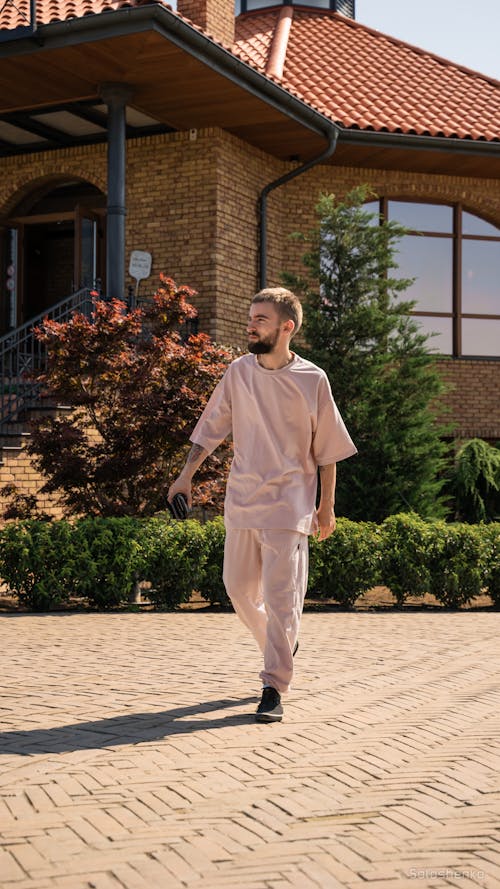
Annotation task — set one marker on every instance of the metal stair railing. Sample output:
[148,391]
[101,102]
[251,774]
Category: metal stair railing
[23,357]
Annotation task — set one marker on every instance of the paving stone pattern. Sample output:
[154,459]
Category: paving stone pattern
[130,758]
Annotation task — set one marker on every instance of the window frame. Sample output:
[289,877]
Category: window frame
[458,237]
[241,5]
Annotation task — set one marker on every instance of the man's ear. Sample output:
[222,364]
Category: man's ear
[289,326]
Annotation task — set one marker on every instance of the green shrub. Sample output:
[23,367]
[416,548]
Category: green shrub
[347,564]
[44,563]
[110,559]
[174,559]
[37,561]
[405,542]
[455,562]
[211,584]
[314,580]
[490,535]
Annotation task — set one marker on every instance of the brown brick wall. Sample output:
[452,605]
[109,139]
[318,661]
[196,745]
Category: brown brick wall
[473,398]
[193,204]
[216,17]
[242,172]
[19,176]
[16,469]
[171,203]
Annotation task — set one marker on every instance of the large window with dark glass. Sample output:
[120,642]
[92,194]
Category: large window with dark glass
[454,257]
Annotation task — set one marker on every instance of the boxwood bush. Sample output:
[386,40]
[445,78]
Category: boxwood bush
[110,559]
[174,556]
[404,555]
[347,564]
[211,584]
[455,563]
[490,536]
[37,562]
[100,559]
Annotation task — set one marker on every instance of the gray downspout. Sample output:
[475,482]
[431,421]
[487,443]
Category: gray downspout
[115,96]
[332,136]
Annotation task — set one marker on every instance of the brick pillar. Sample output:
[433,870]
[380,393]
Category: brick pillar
[216,17]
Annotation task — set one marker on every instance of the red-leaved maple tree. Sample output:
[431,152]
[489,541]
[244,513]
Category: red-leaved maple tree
[136,390]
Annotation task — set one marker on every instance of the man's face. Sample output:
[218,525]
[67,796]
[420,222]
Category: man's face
[263,328]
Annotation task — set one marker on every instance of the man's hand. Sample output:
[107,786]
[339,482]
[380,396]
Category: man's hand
[181,486]
[326,520]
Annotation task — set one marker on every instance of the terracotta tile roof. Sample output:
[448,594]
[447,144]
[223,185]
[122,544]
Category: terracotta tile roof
[364,79]
[360,78]
[14,13]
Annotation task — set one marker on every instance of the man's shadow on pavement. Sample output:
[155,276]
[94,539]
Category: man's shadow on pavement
[137,728]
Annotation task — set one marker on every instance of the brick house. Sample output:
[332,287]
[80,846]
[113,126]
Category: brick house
[221,131]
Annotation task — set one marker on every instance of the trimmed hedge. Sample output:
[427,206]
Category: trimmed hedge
[37,562]
[490,559]
[174,556]
[109,559]
[211,584]
[405,543]
[45,563]
[347,564]
[456,567]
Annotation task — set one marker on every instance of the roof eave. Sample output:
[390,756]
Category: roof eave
[417,142]
[122,22]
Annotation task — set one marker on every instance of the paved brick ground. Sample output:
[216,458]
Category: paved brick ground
[130,758]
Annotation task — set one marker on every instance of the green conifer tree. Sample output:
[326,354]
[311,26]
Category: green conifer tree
[383,377]
[475,482]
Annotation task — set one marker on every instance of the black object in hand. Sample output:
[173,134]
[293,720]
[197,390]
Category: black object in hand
[178,508]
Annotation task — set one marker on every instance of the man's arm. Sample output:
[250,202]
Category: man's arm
[182,484]
[326,509]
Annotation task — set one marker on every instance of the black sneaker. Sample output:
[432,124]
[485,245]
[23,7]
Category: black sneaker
[269,709]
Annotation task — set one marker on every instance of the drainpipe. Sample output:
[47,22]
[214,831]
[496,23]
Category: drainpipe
[331,135]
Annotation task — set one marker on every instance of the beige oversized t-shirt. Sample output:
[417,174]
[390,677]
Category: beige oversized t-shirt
[285,424]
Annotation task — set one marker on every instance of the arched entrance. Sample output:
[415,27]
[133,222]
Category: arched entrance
[53,244]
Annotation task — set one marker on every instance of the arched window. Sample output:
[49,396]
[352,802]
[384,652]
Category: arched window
[454,257]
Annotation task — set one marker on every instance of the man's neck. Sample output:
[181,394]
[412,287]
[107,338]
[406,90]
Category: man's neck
[276,360]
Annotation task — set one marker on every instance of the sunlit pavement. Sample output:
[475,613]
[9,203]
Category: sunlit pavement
[131,758]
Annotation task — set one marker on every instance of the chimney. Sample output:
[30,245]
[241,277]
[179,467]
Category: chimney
[216,17]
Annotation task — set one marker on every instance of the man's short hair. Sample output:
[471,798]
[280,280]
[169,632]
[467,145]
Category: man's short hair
[287,304]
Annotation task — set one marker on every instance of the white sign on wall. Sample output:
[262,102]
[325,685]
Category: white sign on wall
[140,265]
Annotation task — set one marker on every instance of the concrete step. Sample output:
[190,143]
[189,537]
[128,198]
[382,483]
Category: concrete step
[40,409]
[14,439]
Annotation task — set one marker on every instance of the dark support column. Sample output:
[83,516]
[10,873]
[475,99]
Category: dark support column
[115,95]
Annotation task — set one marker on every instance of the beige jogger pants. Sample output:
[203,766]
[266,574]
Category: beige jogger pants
[265,575]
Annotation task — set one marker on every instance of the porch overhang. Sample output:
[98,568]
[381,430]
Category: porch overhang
[179,77]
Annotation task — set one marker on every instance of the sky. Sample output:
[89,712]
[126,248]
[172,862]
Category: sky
[464,31]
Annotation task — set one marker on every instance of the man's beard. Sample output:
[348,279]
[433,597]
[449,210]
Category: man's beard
[265,345]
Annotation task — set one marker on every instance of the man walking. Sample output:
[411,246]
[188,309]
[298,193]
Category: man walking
[285,425]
